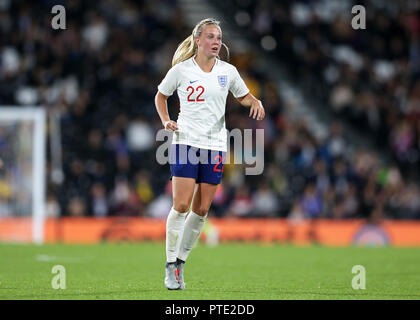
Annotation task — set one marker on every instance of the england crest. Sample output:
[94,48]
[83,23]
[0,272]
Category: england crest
[222,81]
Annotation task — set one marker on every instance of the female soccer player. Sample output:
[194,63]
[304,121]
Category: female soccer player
[203,82]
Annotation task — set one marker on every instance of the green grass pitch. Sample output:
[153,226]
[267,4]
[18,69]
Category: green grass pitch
[228,271]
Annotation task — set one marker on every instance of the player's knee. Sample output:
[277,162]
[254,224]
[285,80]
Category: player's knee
[201,211]
[181,207]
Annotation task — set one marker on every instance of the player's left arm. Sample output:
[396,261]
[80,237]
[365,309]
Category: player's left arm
[257,110]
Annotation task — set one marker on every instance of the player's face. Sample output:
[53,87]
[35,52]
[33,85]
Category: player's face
[210,41]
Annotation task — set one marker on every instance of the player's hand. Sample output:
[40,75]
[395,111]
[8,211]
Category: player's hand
[170,125]
[257,111]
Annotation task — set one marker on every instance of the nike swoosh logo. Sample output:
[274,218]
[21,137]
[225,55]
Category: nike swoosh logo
[193,81]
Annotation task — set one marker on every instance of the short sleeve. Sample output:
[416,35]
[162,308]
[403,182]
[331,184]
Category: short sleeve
[237,85]
[170,83]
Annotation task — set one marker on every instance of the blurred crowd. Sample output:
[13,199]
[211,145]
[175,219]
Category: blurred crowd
[368,77]
[100,76]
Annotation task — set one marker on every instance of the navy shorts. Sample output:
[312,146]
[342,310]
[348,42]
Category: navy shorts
[200,164]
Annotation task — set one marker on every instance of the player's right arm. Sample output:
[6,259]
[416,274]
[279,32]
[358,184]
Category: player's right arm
[161,103]
[165,89]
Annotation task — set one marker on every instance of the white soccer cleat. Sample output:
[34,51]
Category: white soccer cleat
[171,278]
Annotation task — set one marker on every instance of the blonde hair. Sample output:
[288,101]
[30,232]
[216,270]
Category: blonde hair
[188,48]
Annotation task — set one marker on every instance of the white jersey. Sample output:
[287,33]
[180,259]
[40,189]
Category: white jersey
[202,96]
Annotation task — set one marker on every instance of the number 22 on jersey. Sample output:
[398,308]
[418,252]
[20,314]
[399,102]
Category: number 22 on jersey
[199,89]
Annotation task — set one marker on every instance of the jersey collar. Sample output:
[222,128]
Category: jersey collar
[199,68]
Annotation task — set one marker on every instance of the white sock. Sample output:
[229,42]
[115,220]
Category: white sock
[193,226]
[174,227]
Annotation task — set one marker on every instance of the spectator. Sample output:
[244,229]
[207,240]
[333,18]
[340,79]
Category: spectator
[160,206]
[98,202]
[77,207]
[241,205]
[265,202]
[144,187]
[311,202]
[52,207]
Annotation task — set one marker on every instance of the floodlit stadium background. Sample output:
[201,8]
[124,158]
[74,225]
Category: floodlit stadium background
[342,126]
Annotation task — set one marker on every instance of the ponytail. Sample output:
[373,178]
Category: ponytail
[188,47]
[185,50]
[227,52]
